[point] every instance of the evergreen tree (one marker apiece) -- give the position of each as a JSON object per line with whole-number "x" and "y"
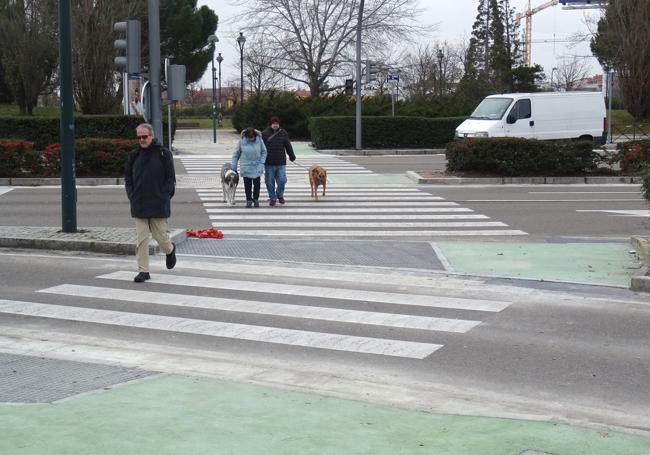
{"x": 493, "y": 61}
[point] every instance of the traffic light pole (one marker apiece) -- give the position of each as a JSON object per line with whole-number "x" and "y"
{"x": 68, "y": 188}
{"x": 154, "y": 67}
{"x": 358, "y": 106}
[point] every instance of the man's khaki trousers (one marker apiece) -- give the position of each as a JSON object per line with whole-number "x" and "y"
{"x": 144, "y": 229}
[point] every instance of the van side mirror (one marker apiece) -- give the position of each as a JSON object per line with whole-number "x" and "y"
{"x": 511, "y": 118}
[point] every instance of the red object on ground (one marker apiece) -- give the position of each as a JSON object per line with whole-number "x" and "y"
{"x": 210, "y": 233}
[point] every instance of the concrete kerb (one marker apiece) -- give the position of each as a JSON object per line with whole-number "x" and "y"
{"x": 641, "y": 281}
{"x": 417, "y": 178}
{"x": 93, "y": 240}
{"x": 380, "y": 152}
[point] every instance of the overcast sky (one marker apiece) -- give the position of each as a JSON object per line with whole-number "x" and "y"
{"x": 454, "y": 19}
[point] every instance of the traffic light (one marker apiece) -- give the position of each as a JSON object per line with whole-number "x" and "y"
{"x": 349, "y": 86}
{"x": 130, "y": 61}
{"x": 372, "y": 69}
{"x": 176, "y": 82}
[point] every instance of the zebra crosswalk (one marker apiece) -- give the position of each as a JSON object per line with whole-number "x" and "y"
{"x": 351, "y": 211}
{"x": 349, "y": 317}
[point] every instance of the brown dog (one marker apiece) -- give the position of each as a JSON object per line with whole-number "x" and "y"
{"x": 317, "y": 176}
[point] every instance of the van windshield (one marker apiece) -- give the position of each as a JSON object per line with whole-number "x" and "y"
{"x": 491, "y": 109}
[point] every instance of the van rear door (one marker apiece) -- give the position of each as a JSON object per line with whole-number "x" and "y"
{"x": 519, "y": 120}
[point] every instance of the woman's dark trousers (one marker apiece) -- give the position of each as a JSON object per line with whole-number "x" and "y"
{"x": 252, "y": 188}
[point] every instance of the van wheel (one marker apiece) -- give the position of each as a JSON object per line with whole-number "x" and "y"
{"x": 586, "y": 138}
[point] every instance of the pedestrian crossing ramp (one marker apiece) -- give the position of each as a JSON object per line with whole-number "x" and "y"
{"x": 347, "y": 320}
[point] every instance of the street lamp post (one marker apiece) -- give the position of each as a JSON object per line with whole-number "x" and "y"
{"x": 219, "y": 60}
{"x": 440, "y": 57}
{"x": 553, "y": 84}
{"x": 212, "y": 39}
{"x": 240, "y": 42}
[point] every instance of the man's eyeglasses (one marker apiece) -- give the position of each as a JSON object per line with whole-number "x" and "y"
{"x": 142, "y": 138}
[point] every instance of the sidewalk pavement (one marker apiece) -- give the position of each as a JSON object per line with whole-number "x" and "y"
{"x": 174, "y": 414}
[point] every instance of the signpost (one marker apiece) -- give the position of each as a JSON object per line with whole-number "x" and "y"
{"x": 392, "y": 79}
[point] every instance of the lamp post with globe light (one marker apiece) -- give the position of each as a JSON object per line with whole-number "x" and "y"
{"x": 241, "y": 39}
{"x": 212, "y": 39}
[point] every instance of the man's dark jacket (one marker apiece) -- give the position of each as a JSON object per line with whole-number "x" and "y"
{"x": 276, "y": 145}
{"x": 150, "y": 181}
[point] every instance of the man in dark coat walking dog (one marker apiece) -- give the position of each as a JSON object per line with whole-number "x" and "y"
{"x": 278, "y": 147}
{"x": 150, "y": 183}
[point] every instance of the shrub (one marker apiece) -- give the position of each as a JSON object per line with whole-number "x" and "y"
{"x": 94, "y": 157}
{"x": 521, "y": 157}
{"x": 631, "y": 156}
{"x": 43, "y": 131}
{"x": 382, "y": 132}
{"x": 12, "y": 156}
{"x": 645, "y": 177}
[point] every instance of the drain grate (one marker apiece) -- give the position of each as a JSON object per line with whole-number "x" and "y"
{"x": 27, "y": 379}
{"x": 417, "y": 255}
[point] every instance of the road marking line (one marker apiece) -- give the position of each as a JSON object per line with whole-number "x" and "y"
{"x": 368, "y": 224}
{"x": 404, "y": 217}
{"x": 325, "y": 203}
{"x": 641, "y": 213}
{"x": 4, "y": 189}
{"x": 554, "y": 200}
{"x": 441, "y": 257}
{"x": 583, "y": 192}
{"x": 315, "y": 207}
{"x": 428, "y": 301}
{"x": 265, "y": 308}
{"x": 291, "y": 337}
{"x": 368, "y": 233}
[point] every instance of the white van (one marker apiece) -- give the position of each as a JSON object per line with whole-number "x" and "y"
{"x": 557, "y": 115}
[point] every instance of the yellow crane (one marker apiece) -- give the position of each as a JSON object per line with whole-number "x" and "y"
{"x": 528, "y": 31}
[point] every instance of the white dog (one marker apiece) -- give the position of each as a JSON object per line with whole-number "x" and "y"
{"x": 229, "y": 182}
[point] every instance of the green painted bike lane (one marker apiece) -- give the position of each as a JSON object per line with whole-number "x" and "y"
{"x": 170, "y": 414}
{"x": 604, "y": 263}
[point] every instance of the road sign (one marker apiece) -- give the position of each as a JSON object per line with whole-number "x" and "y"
{"x": 392, "y": 77}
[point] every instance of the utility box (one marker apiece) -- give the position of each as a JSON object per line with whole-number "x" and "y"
{"x": 176, "y": 86}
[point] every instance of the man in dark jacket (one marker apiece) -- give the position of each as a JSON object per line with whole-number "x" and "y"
{"x": 150, "y": 182}
{"x": 275, "y": 169}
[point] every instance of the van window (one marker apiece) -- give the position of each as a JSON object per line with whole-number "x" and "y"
{"x": 491, "y": 109}
{"x": 521, "y": 109}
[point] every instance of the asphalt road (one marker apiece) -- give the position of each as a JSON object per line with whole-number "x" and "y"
{"x": 539, "y": 353}
{"x": 542, "y": 211}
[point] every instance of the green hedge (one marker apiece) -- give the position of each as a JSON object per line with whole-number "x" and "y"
{"x": 383, "y": 132}
{"x": 94, "y": 157}
{"x": 44, "y": 131}
{"x": 295, "y": 113}
{"x": 521, "y": 157}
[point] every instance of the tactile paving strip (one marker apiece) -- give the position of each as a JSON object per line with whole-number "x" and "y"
{"x": 27, "y": 379}
{"x": 413, "y": 255}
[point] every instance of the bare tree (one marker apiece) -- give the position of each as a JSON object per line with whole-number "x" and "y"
{"x": 622, "y": 43}
{"x": 28, "y": 33}
{"x": 433, "y": 69}
{"x": 570, "y": 72}
{"x": 309, "y": 39}
{"x": 96, "y": 77}
{"x": 259, "y": 65}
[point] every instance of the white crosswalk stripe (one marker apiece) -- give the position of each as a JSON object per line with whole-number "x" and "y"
{"x": 291, "y": 337}
{"x": 275, "y": 309}
{"x": 363, "y": 211}
{"x": 306, "y": 306}
{"x": 317, "y": 291}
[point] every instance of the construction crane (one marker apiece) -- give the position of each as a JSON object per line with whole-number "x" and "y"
{"x": 528, "y": 31}
{"x": 528, "y": 14}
